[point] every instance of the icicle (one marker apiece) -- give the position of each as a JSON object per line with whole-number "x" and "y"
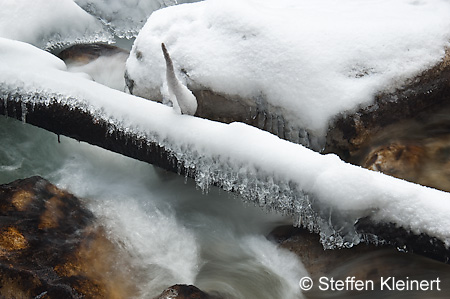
{"x": 274, "y": 125}
{"x": 253, "y": 112}
{"x": 280, "y": 122}
{"x": 5, "y": 104}
{"x": 23, "y": 107}
{"x": 268, "y": 123}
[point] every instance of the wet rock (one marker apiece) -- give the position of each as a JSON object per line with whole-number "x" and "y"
{"x": 364, "y": 263}
{"x": 51, "y": 247}
{"x": 396, "y": 159}
{"x": 426, "y": 162}
{"x": 317, "y": 261}
{"x": 405, "y": 133}
{"x": 85, "y": 53}
{"x": 181, "y": 291}
{"x": 421, "y": 96}
{"x": 232, "y": 108}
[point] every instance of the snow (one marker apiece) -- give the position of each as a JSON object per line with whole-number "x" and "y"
{"x": 49, "y": 23}
{"x": 183, "y": 101}
{"x": 322, "y": 192}
{"x": 125, "y": 17}
{"x": 107, "y": 70}
{"x": 309, "y": 60}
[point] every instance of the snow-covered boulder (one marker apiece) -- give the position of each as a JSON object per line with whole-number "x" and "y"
{"x": 48, "y": 24}
{"x": 297, "y": 64}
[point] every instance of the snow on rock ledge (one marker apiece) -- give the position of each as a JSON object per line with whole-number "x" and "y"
{"x": 322, "y": 192}
{"x": 49, "y": 23}
{"x": 300, "y": 62}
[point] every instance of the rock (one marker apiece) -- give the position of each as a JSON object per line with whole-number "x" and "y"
{"x": 85, "y": 53}
{"x": 51, "y": 246}
{"x": 227, "y": 109}
{"x": 420, "y": 97}
{"x": 363, "y": 262}
{"x": 396, "y": 159}
{"x": 426, "y": 162}
{"x": 317, "y": 261}
{"x": 181, "y": 291}
{"x": 405, "y": 133}
{"x": 254, "y": 112}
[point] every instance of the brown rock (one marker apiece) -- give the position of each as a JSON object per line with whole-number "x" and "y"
{"x": 84, "y": 53}
{"x": 363, "y": 262}
{"x": 317, "y": 261}
{"x": 417, "y": 151}
{"x": 397, "y": 159}
{"x": 50, "y": 246}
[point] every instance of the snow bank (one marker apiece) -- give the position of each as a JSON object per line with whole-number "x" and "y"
{"x": 321, "y": 191}
{"x": 125, "y": 17}
{"x": 309, "y": 59}
{"x": 49, "y": 23}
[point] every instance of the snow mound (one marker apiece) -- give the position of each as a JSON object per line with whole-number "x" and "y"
{"x": 49, "y": 24}
{"x": 321, "y": 192}
{"x": 311, "y": 60}
{"x": 125, "y": 17}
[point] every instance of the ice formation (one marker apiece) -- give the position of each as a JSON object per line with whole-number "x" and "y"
{"x": 322, "y": 192}
{"x": 183, "y": 101}
{"x": 49, "y": 23}
{"x": 125, "y": 17}
{"x": 306, "y": 61}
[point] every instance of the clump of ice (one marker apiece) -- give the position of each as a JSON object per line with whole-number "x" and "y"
{"x": 310, "y": 59}
{"x": 125, "y": 17}
{"x": 323, "y": 193}
{"x": 49, "y": 23}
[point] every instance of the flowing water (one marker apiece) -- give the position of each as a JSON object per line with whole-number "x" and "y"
{"x": 174, "y": 233}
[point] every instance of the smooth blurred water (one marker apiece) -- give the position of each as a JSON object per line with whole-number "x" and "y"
{"x": 173, "y": 232}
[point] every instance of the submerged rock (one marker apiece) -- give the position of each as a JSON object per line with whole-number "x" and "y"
{"x": 426, "y": 162}
{"x": 51, "y": 247}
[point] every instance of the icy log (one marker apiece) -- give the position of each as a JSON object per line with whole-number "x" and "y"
{"x": 321, "y": 192}
{"x": 76, "y": 123}
{"x": 81, "y": 125}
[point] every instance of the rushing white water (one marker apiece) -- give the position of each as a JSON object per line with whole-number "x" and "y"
{"x": 174, "y": 232}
